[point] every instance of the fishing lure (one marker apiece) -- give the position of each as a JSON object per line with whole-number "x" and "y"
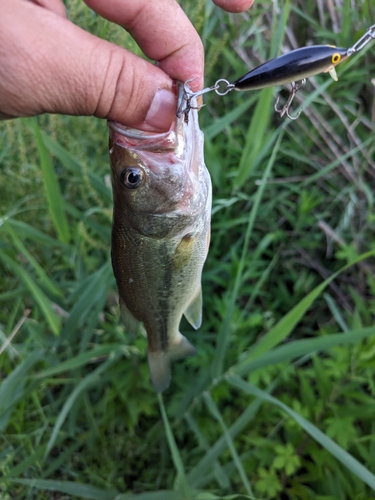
{"x": 293, "y": 67}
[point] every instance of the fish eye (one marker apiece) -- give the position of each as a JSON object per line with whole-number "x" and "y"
{"x": 336, "y": 58}
{"x": 132, "y": 177}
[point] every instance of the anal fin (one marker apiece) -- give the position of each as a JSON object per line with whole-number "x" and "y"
{"x": 193, "y": 312}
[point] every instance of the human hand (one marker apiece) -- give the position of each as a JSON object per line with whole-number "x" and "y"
{"x": 50, "y": 65}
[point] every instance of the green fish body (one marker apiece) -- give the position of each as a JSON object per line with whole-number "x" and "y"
{"x": 160, "y": 235}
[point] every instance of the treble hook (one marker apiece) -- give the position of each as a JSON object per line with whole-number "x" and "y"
{"x": 296, "y": 86}
{"x": 185, "y": 106}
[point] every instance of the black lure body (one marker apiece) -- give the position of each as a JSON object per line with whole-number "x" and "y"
{"x": 293, "y": 66}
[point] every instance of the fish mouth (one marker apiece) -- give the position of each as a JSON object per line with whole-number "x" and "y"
{"x": 151, "y": 141}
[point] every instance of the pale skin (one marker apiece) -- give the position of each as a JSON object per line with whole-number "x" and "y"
{"x": 50, "y": 65}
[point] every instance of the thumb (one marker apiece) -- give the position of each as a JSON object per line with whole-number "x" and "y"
{"x": 47, "y": 64}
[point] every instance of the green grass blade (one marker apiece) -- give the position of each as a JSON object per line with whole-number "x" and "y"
{"x": 181, "y": 480}
{"x": 59, "y": 460}
{"x": 298, "y": 348}
{"x": 24, "y": 230}
{"x": 323, "y": 172}
{"x": 82, "y": 386}
{"x": 225, "y": 121}
{"x": 52, "y": 189}
{"x": 211, "y": 496}
{"x": 257, "y": 134}
{"x": 152, "y": 495}
{"x": 285, "y": 326}
{"x": 219, "y": 472}
{"x": 278, "y": 33}
{"x": 87, "y": 294}
{"x": 45, "y": 280}
{"x": 255, "y": 137}
{"x": 339, "y": 453}
{"x": 75, "y": 167}
{"x": 11, "y": 387}
{"x": 197, "y": 477}
{"x": 70, "y": 488}
{"x": 336, "y": 313}
{"x": 38, "y": 295}
{"x": 30, "y": 460}
{"x": 79, "y": 360}
{"x": 216, "y": 414}
{"x": 223, "y": 336}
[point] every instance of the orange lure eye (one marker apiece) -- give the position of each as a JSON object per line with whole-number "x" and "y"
{"x": 336, "y": 58}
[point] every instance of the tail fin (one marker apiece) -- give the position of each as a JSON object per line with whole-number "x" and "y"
{"x": 160, "y": 362}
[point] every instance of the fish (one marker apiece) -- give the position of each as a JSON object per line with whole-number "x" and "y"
{"x": 160, "y": 234}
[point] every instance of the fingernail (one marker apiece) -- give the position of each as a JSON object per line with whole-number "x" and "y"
{"x": 162, "y": 110}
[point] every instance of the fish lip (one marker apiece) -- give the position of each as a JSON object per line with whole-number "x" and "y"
{"x": 127, "y": 137}
{"x": 153, "y": 140}
{"x": 133, "y": 133}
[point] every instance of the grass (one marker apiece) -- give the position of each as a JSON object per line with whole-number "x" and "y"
{"x": 279, "y": 401}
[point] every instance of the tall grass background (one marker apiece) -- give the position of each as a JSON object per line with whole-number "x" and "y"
{"x": 279, "y": 401}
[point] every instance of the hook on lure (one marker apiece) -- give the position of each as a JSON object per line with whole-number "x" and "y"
{"x": 185, "y": 106}
{"x": 293, "y": 67}
{"x": 296, "y": 86}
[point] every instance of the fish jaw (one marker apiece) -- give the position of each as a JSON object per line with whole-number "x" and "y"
{"x": 160, "y": 237}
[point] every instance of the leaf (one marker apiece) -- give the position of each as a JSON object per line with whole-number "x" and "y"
{"x": 176, "y": 457}
{"x": 45, "y": 280}
{"x": 38, "y": 295}
{"x": 339, "y": 453}
{"x": 90, "y": 291}
{"x": 79, "y": 360}
{"x": 342, "y": 429}
{"x": 83, "y": 385}
{"x": 198, "y": 476}
{"x": 70, "y": 488}
{"x": 55, "y": 200}
{"x": 299, "y": 348}
{"x": 285, "y": 326}
{"x": 224, "y": 332}
{"x": 75, "y": 167}
{"x": 24, "y": 230}
{"x": 225, "y": 121}
{"x": 154, "y": 495}
{"x": 268, "y": 483}
{"x": 256, "y": 137}
{"x": 30, "y": 460}
{"x": 205, "y": 495}
{"x": 11, "y": 388}
{"x": 220, "y": 474}
{"x": 216, "y": 414}
{"x": 286, "y": 459}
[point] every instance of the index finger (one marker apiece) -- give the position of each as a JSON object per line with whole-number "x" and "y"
{"x": 163, "y": 32}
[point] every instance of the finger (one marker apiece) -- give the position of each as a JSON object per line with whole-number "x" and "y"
{"x": 47, "y": 64}
{"x": 55, "y": 6}
{"x": 234, "y": 5}
{"x": 163, "y": 32}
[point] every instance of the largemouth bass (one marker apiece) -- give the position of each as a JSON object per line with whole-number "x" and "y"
{"x": 160, "y": 234}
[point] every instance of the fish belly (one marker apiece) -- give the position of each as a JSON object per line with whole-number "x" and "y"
{"x": 158, "y": 279}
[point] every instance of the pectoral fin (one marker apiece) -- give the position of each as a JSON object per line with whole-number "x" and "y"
{"x": 193, "y": 312}
{"x": 160, "y": 362}
{"x": 333, "y": 74}
{"x": 131, "y": 324}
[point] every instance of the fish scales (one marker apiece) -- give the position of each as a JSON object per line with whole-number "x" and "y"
{"x": 160, "y": 235}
